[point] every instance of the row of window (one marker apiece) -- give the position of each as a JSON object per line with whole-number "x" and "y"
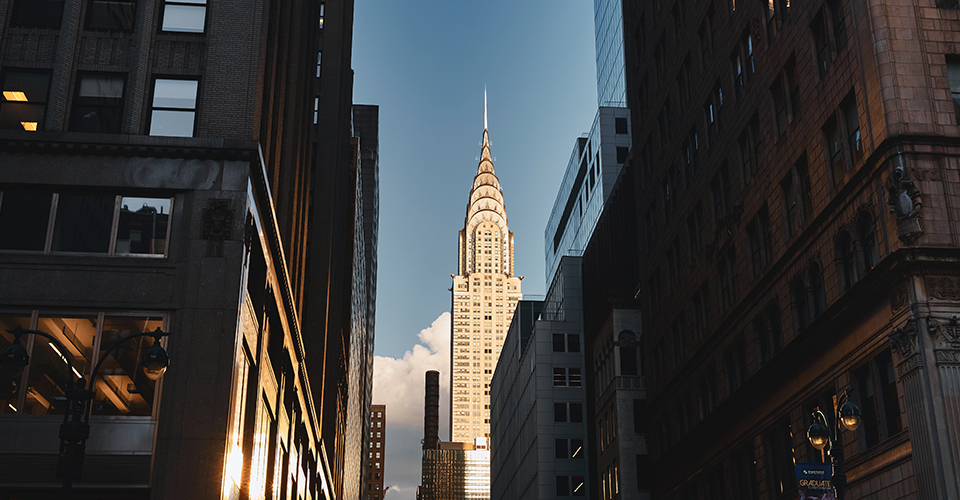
{"x": 83, "y": 222}
{"x": 98, "y": 103}
{"x": 122, "y": 388}
{"x": 177, "y": 16}
{"x": 567, "y": 377}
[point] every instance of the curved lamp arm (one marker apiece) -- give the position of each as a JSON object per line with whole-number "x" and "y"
{"x": 156, "y": 334}
{"x": 19, "y": 332}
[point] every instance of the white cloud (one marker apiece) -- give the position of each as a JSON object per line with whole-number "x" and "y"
{"x": 398, "y": 382}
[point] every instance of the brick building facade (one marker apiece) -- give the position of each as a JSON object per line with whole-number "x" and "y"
{"x": 792, "y": 190}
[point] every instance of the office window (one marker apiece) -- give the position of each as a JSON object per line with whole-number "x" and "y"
{"x": 560, "y": 448}
{"x": 726, "y": 273}
{"x": 123, "y": 389}
{"x": 559, "y": 377}
{"x": 558, "y": 343}
{"x": 573, "y": 342}
{"x": 560, "y": 412}
{"x": 321, "y": 14}
{"x": 563, "y": 486}
{"x": 877, "y": 388}
{"x": 694, "y": 226}
{"x": 797, "y": 201}
{"x": 768, "y": 331}
{"x": 793, "y": 86}
{"x": 839, "y": 26}
{"x": 639, "y": 416}
{"x": 815, "y": 278}
{"x": 745, "y": 475}
{"x": 24, "y": 101}
{"x": 779, "y": 106}
{"x": 174, "y": 107}
{"x": 111, "y": 15}
{"x": 184, "y": 16}
{"x": 83, "y": 222}
{"x": 24, "y": 216}
{"x": 821, "y": 43}
{"x": 953, "y": 72}
{"x": 622, "y": 153}
{"x": 735, "y": 361}
{"x": 835, "y": 155}
{"x": 576, "y": 412}
{"x": 38, "y": 13}
{"x": 847, "y": 259}
{"x": 574, "y": 377}
{"x": 780, "y": 459}
{"x": 98, "y": 107}
{"x": 628, "y": 354}
{"x": 758, "y": 235}
{"x": 620, "y": 125}
{"x": 720, "y": 188}
{"x": 851, "y": 121}
{"x": 867, "y": 232}
{"x": 801, "y": 305}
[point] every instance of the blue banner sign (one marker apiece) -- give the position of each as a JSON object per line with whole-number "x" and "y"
{"x": 814, "y": 481}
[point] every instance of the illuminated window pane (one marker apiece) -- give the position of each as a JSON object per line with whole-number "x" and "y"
{"x": 24, "y": 100}
{"x": 122, "y": 387}
{"x": 49, "y": 369}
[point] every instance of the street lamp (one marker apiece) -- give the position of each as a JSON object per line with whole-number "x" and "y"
{"x": 821, "y": 437}
{"x": 75, "y": 431}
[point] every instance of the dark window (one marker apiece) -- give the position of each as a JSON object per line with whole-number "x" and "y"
{"x": 184, "y": 16}
{"x": 111, "y": 15}
{"x": 643, "y": 472}
{"x": 852, "y": 125}
{"x": 621, "y": 125}
{"x": 793, "y": 87}
{"x": 880, "y": 406}
{"x": 24, "y": 216}
{"x": 574, "y": 378}
{"x": 98, "y": 107}
{"x": 557, "y": 342}
{"x": 701, "y": 309}
{"x": 780, "y": 458}
{"x": 628, "y": 359}
{"x": 694, "y": 224}
{"x": 726, "y": 270}
{"x": 758, "y": 234}
{"x": 868, "y": 240}
{"x": 573, "y": 342}
{"x": 576, "y": 412}
{"x": 779, "y": 106}
{"x": 801, "y": 306}
{"x": 622, "y": 154}
{"x": 38, "y": 13}
{"x": 735, "y": 359}
{"x": 847, "y": 257}
{"x": 708, "y": 391}
{"x": 768, "y": 331}
{"x": 24, "y": 100}
{"x": 821, "y": 43}
{"x": 835, "y": 154}
{"x": 839, "y": 26}
{"x": 953, "y": 73}
{"x": 563, "y": 486}
{"x": 815, "y": 275}
{"x": 560, "y": 448}
{"x": 174, "y": 107}
{"x": 83, "y": 223}
{"x": 720, "y": 187}
{"x": 745, "y": 475}
{"x": 639, "y": 415}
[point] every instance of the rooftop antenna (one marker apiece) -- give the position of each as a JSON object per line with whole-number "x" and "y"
{"x": 484, "y": 106}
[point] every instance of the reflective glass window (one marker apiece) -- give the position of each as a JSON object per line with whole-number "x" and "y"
{"x": 24, "y": 101}
{"x": 142, "y": 225}
{"x": 50, "y": 367}
{"x": 39, "y": 13}
{"x": 98, "y": 107}
{"x": 24, "y": 216}
{"x": 111, "y": 15}
{"x": 83, "y": 223}
{"x": 122, "y": 387}
{"x": 174, "y": 107}
{"x": 185, "y": 16}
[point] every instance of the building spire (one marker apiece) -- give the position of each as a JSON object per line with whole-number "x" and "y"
{"x": 484, "y": 106}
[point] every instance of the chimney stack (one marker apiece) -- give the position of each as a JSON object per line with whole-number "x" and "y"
{"x": 431, "y": 411}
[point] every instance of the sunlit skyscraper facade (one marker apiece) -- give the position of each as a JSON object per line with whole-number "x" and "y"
{"x": 608, "y": 23}
{"x": 484, "y": 294}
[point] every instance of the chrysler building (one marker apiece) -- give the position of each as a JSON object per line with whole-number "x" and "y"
{"x": 485, "y": 294}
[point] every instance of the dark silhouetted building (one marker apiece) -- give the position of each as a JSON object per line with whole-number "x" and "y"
{"x": 188, "y": 166}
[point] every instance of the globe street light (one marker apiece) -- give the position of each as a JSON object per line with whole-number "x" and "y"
{"x": 75, "y": 431}
{"x": 820, "y": 436}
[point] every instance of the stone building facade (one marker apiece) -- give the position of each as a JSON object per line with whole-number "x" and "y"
{"x": 792, "y": 190}
{"x": 161, "y": 164}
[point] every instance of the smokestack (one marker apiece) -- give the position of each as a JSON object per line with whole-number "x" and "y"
{"x": 431, "y": 411}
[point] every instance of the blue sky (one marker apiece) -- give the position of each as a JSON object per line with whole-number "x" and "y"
{"x": 425, "y": 64}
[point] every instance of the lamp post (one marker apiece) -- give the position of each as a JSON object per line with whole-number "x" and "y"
{"x": 75, "y": 428}
{"x": 821, "y": 436}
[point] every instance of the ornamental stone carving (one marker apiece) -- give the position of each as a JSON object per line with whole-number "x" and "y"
{"x": 899, "y": 297}
{"x": 904, "y": 340}
{"x": 942, "y": 287}
{"x": 217, "y": 223}
{"x": 945, "y": 332}
{"x": 904, "y": 200}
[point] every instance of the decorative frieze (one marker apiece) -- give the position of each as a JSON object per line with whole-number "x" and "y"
{"x": 942, "y": 287}
{"x": 899, "y": 297}
{"x": 903, "y": 341}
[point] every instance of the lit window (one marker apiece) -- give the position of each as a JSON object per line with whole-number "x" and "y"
{"x": 98, "y": 107}
{"x": 24, "y": 101}
{"x": 174, "y": 107}
{"x": 184, "y": 16}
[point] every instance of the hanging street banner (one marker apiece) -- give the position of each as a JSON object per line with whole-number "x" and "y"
{"x": 814, "y": 481}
